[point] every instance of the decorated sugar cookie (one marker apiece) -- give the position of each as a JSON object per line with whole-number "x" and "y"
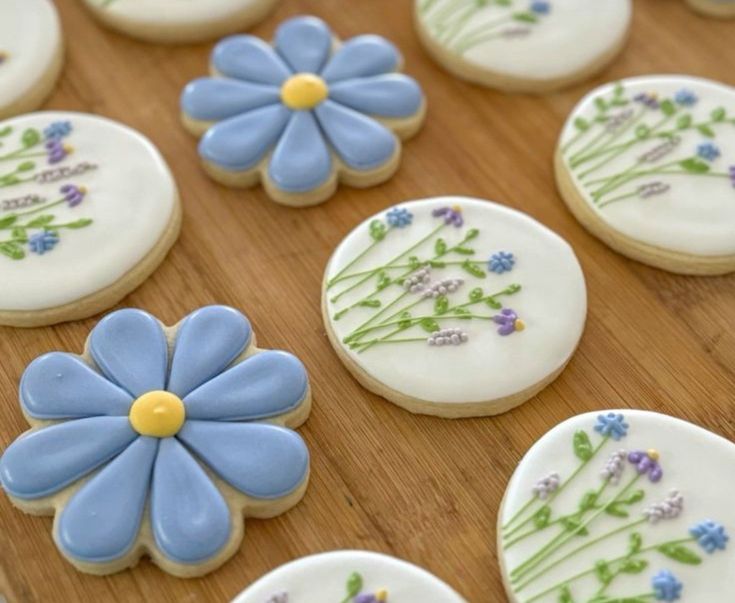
{"x": 157, "y": 440}
{"x": 179, "y": 21}
{"x": 349, "y": 577}
{"x": 31, "y": 54}
{"x": 523, "y": 45}
{"x": 714, "y": 8}
{"x": 88, "y": 209}
{"x": 648, "y": 166}
{"x": 304, "y": 114}
{"x": 454, "y": 307}
{"x": 620, "y": 507}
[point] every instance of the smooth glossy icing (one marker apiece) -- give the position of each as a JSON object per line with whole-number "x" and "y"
{"x": 361, "y": 575}
{"x": 645, "y": 488}
{"x": 527, "y": 39}
{"x": 252, "y": 98}
{"x": 190, "y": 520}
{"x": 655, "y": 121}
{"x": 485, "y": 355}
{"x": 30, "y": 41}
{"x": 75, "y": 189}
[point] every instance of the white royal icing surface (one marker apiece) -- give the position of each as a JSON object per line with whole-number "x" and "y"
{"x": 572, "y": 36}
{"x": 552, "y": 303}
{"x": 322, "y": 578}
{"x": 30, "y": 39}
{"x": 170, "y": 13}
{"x": 131, "y": 196}
{"x": 697, "y": 215}
{"x": 695, "y": 462}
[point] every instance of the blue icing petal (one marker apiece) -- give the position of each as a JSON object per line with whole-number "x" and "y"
{"x": 101, "y": 521}
{"x": 130, "y": 348}
{"x": 213, "y": 99}
{"x": 362, "y": 56}
{"x": 46, "y": 460}
{"x": 392, "y": 95}
{"x": 263, "y": 461}
{"x": 249, "y": 58}
{"x": 301, "y": 161}
{"x": 207, "y": 341}
{"x": 63, "y": 386}
{"x": 268, "y": 384}
{"x": 239, "y": 143}
{"x": 190, "y": 518}
{"x": 304, "y": 43}
{"x": 360, "y": 141}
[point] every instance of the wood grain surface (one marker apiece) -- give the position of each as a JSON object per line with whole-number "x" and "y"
{"x": 421, "y": 488}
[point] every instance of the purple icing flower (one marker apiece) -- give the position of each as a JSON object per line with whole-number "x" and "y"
{"x": 398, "y": 217}
{"x": 56, "y": 150}
{"x": 650, "y": 100}
{"x": 646, "y": 463}
{"x": 57, "y": 130}
{"x": 710, "y": 536}
{"x": 666, "y": 587}
{"x": 278, "y": 598}
{"x": 508, "y": 321}
{"x": 73, "y": 194}
{"x": 708, "y": 151}
{"x": 731, "y": 172}
{"x": 685, "y": 98}
{"x": 500, "y": 262}
{"x": 452, "y": 215}
{"x": 380, "y": 597}
{"x": 540, "y": 7}
{"x": 612, "y": 425}
{"x": 43, "y": 241}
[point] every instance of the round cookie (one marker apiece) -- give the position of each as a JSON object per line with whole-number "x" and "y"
{"x": 648, "y": 166}
{"x": 158, "y": 440}
{"x": 303, "y": 114}
{"x": 88, "y": 210}
{"x": 179, "y": 21}
{"x": 620, "y": 506}
{"x": 31, "y": 54}
{"x": 349, "y": 577}
{"x": 454, "y": 307}
{"x": 723, "y": 9}
{"x": 523, "y": 45}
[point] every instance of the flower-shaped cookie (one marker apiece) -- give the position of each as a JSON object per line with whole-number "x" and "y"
{"x": 158, "y": 439}
{"x": 304, "y": 113}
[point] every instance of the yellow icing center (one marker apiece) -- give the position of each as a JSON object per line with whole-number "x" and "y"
{"x": 303, "y": 91}
{"x": 158, "y": 414}
{"x": 653, "y": 454}
{"x": 519, "y": 325}
{"x": 381, "y": 595}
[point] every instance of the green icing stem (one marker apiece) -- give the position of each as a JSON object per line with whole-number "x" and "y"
{"x": 423, "y": 264}
{"x": 554, "y": 494}
{"x": 336, "y": 278}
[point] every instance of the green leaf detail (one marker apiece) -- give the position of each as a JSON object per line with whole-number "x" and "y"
{"x": 541, "y": 517}
{"x": 354, "y": 584}
{"x": 636, "y": 543}
{"x": 40, "y": 221}
{"x": 12, "y": 250}
{"x": 476, "y": 294}
{"x": 429, "y": 325}
{"x": 493, "y": 303}
{"x": 414, "y": 263}
{"x": 377, "y": 230}
{"x": 440, "y": 247}
{"x": 383, "y": 279}
{"x": 30, "y": 137}
{"x": 635, "y": 497}
{"x": 718, "y": 114}
{"x": 680, "y": 553}
{"x": 26, "y": 166}
{"x": 8, "y": 221}
{"x": 472, "y": 233}
{"x": 405, "y": 320}
{"x": 705, "y": 130}
{"x": 694, "y": 166}
{"x": 684, "y": 122}
{"x": 525, "y": 17}
{"x": 370, "y": 303}
{"x": 642, "y": 132}
{"x": 588, "y": 500}
{"x": 633, "y": 566}
{"x": 618, "y": 89}
{"x": 6, "y": 131}
{"x": 462, "y": 313}
{"x": 582, "y": 445}
{"x": 441, "y": 305}
{"x": 463, "y": 250}
{"x": 601, "y": 104}
{"x": 603, "y": 573}
{"x": 473, "y": 269}
{"x": 565, "y": 596}
{"x": 511, "y": 289}
{"x": 437, "y": 264}
{"x": 581, "y": 124}
{"x": 616, "y": 510}
{"x": 667, "y": 107}
{"x": 574, "y": 525}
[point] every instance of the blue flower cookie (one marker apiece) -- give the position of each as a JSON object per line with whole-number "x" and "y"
{"x": 157, "y": 440}
{"x": 304, "y": 113}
